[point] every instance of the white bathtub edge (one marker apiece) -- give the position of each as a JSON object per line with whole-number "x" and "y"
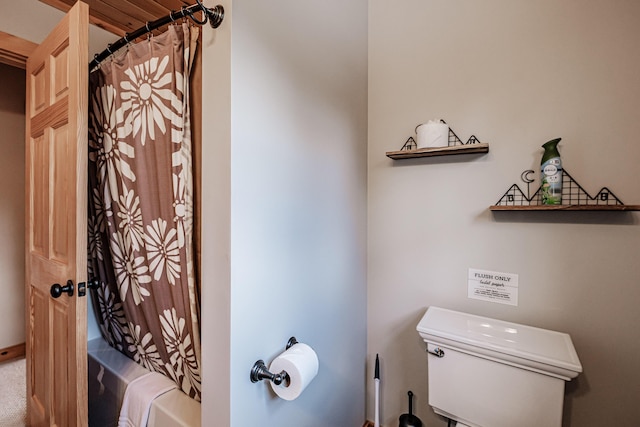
{"x": 172, "y": 409}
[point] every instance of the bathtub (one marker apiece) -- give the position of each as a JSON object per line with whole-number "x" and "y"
{"x": 109, "y": 373}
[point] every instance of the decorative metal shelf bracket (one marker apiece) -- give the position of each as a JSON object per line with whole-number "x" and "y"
{"x": 453, "y": 140}
{"x": 572, "y": 194}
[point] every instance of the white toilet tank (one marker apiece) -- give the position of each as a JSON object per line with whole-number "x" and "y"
{"x": 491, "y": 373}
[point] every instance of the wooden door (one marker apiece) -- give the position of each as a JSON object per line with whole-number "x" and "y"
{"x": 56, "y": 186}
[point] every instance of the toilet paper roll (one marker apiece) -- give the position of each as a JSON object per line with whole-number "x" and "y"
{"x": 432, "y": 134}
{"x": 301, "y": 363}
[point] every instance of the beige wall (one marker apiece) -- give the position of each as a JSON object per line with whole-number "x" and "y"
{"x": 515, "y": 74}
{"x": 12, "y": 205}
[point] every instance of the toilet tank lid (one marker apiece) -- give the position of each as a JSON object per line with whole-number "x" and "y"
{"x": 527, "y": 342}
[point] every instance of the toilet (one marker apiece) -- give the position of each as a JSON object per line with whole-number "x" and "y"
{"x": 485, "y": 372}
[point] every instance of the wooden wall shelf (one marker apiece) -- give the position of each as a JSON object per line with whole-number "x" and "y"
{"x": 567, "y": 208}
{"x": 481, "y": 147}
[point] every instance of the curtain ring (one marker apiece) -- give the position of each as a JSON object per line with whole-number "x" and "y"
{"x": 146, "y": 26}
{"x": 205, "y": 12}
{"x": 190, "y": 15}
{"x": 203, "y": 7}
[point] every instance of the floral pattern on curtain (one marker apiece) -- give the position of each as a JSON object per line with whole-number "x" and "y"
{"x": 140, "y": 220}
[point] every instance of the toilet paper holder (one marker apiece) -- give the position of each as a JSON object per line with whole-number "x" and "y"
{"x": 260, "y": 372}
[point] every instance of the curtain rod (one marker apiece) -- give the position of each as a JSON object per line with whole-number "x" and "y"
{"x": 213, "y": 16}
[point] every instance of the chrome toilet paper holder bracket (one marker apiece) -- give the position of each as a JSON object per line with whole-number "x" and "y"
{"x": 260, "y": 372}
{"x": 438, "y": 352}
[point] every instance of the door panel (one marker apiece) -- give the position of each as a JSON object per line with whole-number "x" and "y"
{"x": 61, "y": 235}
{"x": 56, "y": 182}
{"x": 40, "y": 201}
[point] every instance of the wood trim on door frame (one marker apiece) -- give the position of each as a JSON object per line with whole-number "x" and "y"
{"x": 14, "y": 50}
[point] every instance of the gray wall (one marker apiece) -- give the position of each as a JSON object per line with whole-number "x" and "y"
{"x": 12, "y": 205}
{"x": 297, "y": 203}
{"x": 516, "y": 74}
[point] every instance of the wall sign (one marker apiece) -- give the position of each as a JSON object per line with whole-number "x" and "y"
{"x": 493, "y": 286}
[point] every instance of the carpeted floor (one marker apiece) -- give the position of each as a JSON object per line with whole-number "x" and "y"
{"x": 13, "y": 404}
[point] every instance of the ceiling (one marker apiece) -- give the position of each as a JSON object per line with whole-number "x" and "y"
{"x": 123, "y": 16}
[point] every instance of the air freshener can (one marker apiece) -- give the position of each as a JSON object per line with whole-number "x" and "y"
{"x": 551, "y": 174}
{"x": 552, "y": 181}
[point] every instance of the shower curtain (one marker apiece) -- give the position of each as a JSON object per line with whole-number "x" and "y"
{"x": 140, "y": 219}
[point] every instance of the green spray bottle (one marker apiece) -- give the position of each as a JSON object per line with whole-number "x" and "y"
{"x": 551, "y": 174}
